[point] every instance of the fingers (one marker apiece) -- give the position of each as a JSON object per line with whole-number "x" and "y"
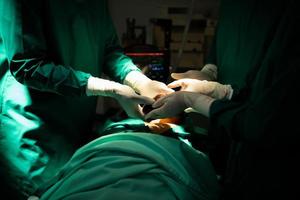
{"x": 175, "y": 84}
{"x": 159, "y": 102}
{"x": 138, "y": 99}
{"x": 158, "y": 109}
{"x": 188, "y": 74}
{"x": 156, "y": 114}
{"x": 184, "y": 84}
{"x": 161, "y": 87}
{"x": 133, "y": 110}
{"x": 189, "y": 110}
{"x": 153, "y": 88}
{"x": 177, "y": 76}
{"x": 169, "y": 90}
{"x": 162, "y": 108}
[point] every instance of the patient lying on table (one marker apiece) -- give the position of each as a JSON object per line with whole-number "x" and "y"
{"x": 130, "y": 162}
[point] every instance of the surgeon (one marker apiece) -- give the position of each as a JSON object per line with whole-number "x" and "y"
{"x": 56, "y": 52}
{"x": 255, "y": 59}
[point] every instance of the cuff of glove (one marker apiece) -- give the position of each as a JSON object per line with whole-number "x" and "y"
{"x": 229, "y": 92}
{"x": 135, "y": 79}
{"x": 211, "y": 70}
{"x": 198, "y": 103}
{"x": 101, "y": 87}
{"x": 222, "y": 92}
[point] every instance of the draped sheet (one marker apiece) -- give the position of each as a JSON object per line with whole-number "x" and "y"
{"x": 135, "y": 166}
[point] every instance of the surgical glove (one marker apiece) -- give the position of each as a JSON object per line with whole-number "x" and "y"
{"x": 208, "y": 72}
{"x": 175, "y": 103}
{"x": 145, "y": 86}
{"x": 132, "y": 109}
{"x": 125, "y": 95}
{"x": 210, "y": 88}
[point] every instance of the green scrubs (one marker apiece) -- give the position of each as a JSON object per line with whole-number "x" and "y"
{"x": 53, "y": 47}
{"x": 256, "y": 50}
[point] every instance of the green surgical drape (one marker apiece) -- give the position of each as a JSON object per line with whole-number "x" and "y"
{"x": 135, "y": 165}
{"x": 52, "y": 47}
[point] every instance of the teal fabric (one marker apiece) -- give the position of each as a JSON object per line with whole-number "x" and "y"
{"x": 2, "y": 53}
{"x": 52, "y": 48}
{"x": 135, "y": 166}
{"x": 271, "y": 57}
{"x": 257, "y": 50}
{"x": 244, "y": 34}
{"x": 130, "y": 125}
{"x": 55, "y": 46}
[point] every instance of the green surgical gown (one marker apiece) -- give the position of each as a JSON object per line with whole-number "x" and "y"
{"x": 52, "y": 48}
{"x": 256, "y": 50}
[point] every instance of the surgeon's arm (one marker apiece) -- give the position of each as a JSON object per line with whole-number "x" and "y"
{"x": 116, "y": 64}
{"x": 265, "y": 113}
{"x": 264, "y": 119}
{"x": 121, "y": 68}
{"x": 26, "y": 48}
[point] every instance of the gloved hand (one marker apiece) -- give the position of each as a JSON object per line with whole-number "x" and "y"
{"x": 208, "y": 72}
{"x": 145, "y": 86}
{"x": 210, "y": 88}
{"x": 125, "y": 95}
{"x": 175, "y": 103}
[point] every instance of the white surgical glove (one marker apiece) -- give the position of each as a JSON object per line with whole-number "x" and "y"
{"x": 210, "y": 88}
{"x": 145, "y": 86}
{"x": 209, "y": 72}
{"x": 125, "y": 95}
{"x": 177, "y": 102}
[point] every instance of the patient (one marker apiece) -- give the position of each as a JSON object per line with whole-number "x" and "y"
{"x": 130, "y": 162}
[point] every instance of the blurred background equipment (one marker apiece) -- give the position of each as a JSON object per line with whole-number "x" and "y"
{"x": 134, "y": 34}
{"x": 164, "y": 36}
{"x": 151, "y": 60}
{"x": 183, "y": 27}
